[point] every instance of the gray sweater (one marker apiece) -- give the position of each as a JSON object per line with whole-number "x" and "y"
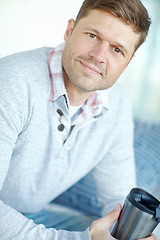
{"x": 36, "y": 165}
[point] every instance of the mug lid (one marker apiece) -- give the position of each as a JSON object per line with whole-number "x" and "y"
{"x": 145, "y": 202}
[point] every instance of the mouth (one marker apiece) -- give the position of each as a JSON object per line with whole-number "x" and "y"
{"x": 90, "y": 68}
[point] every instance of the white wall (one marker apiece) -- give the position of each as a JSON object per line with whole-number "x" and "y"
{"x": 28, "y": 24}
{"x": 142, "y": 78}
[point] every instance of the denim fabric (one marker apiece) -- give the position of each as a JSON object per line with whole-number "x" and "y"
{"x": 147, "y": 152}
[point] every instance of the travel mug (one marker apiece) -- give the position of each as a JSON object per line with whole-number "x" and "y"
{"x": 139, "y": 216}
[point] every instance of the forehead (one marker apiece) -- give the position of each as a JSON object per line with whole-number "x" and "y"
{"x": 109, "y": 27}
{"x": 102, "y": 17}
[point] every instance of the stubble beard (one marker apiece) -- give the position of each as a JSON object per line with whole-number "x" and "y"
{"x": 83, "y": 81}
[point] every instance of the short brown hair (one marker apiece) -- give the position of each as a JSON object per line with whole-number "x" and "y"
{"x": 132, "y": 12}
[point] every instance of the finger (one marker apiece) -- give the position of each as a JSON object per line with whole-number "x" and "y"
{"x": 152, "y": 237}
{"x": 112, "y": 216}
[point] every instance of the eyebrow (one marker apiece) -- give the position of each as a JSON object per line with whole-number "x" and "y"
{"x": 117, "y": 44}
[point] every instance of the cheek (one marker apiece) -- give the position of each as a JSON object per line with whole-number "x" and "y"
{"x": 118, "y": 67}
{"x": 67, "y": 53}
{"x": 78, "y": 46}
{"x": 114, "y": 71}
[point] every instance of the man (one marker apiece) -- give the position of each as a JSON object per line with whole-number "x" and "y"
{"x": 62, "y": 115}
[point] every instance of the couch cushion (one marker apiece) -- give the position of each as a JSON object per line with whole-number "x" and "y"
{"x": 147, "y": 155}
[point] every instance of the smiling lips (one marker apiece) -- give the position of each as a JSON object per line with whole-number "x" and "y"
{"x": 90, "y": 68}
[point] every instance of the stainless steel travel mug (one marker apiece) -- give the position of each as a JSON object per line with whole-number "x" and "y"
{"x": 139, "y": 216}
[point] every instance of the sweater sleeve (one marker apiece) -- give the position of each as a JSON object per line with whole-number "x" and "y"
{"x": 117, "y": 168}
{"x": 15, "y": 113}
{"x": 17, "y": 227}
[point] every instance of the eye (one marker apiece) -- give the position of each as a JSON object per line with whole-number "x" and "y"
{"x": 91, "y": 35}
{"x": 117, "y": 50}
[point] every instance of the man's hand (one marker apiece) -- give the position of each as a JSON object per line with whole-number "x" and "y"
{"x": 152, "y": 237}
{"x": 99, "y": 229}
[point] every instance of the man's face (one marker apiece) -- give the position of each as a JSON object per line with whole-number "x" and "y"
{"x": 97, "y": 51}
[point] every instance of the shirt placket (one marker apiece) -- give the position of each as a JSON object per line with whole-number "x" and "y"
{"x": 63, "y": 123}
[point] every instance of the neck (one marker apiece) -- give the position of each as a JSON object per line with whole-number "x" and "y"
{"x": 75, "y": 95}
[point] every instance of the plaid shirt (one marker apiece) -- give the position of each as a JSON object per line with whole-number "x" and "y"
{"x": 92, "y": 107}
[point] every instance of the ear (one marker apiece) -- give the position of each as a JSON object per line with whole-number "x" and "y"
{"x": 71, "y": 24}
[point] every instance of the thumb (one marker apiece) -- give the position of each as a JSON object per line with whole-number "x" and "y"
{"x": 112, "y": 216}
{"x": 101, "y": 226}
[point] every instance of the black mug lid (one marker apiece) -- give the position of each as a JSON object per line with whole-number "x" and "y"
{"x": 145, "y": 202}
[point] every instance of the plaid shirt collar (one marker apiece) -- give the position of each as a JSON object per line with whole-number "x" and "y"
{"x": 92, "y": 107}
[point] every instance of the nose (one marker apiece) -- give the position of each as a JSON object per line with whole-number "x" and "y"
{"x": 99, "y": 52}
